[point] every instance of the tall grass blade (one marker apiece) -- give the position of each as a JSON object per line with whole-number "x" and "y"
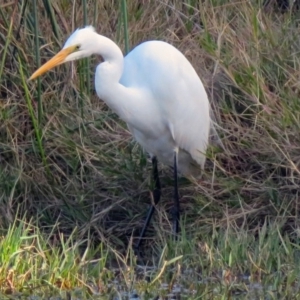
{"x": 86, "y": 61}
{"x": 96, "y": 13}
{"x": 52, "y": 18}
{"x": 36, "y": 126}
{"x": 17, "y": 36}
{"x": 125, "y": 25}
{"x": 38, "y": 61}
{"x": 7, "y": 41}
{"x": 3, "y": 17}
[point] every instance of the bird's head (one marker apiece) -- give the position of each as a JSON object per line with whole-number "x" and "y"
{"x": 77, "y": 46}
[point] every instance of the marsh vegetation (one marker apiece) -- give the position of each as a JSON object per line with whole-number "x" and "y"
{"x": 74, "y": 186}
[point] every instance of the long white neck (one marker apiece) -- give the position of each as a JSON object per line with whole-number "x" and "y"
{"x": 113, "y": 58}
{"x": 121, "y": 99}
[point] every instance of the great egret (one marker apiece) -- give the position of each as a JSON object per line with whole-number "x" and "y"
{"x": 157, "y": 92}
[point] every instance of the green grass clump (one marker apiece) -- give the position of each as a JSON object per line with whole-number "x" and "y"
{"x": 66, "y": 161}
{"x": 231, "y": 263}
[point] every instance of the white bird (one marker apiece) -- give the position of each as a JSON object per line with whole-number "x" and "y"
{"x": 157, "y": 92}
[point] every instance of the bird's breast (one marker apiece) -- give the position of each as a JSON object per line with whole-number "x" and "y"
{"x": 162, "y": 145}
{"x": 158, "y": 142}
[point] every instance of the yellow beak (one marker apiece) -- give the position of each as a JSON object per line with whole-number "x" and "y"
{"x": 56, "y": 60}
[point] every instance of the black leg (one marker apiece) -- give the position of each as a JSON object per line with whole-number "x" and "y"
{"x": 176, "y": 209}
{"x": 156, "y": 198}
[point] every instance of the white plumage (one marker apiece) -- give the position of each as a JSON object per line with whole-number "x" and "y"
{"x": 155, "y": 90}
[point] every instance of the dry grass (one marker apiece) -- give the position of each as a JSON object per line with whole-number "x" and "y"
{"x": 100, "y": 178}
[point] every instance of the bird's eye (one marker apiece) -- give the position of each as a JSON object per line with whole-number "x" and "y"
{"x": 77, "y": 47}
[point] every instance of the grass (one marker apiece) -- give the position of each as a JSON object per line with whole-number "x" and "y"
{"x": 226, "y": 264}
{"x": 74, "y": 186}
